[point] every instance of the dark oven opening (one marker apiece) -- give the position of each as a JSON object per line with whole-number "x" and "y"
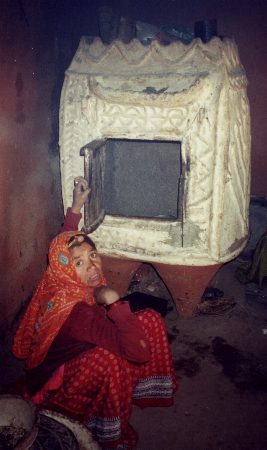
{"x": 143, "y": 178}
{"x": 134, "y": 179}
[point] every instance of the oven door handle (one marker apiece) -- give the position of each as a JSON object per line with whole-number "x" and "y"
{"x": 94, "y": 163}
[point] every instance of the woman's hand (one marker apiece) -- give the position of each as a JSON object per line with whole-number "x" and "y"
{"x": 80, "y": 194}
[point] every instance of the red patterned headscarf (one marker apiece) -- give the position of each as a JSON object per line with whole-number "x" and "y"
{"x": 59, "y": 290}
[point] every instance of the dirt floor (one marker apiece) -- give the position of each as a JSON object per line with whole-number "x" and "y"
{"x": 221, "y": 363}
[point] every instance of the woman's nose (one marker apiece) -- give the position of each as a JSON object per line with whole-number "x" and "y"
{"x": 90, "y": 264}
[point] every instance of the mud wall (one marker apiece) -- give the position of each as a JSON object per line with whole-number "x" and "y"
{"x": 30, "y": 201}
{"x": 38, "y": 39}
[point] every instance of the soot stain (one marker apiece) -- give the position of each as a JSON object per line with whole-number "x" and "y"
{"x": 244, "y": 371}
{"x": 201, "y": 349}
{"x": 171, "y": 337}
{"x": 188, "y": 366}
{"x": 20, "y": 116}
{"x": 19, "y": 84}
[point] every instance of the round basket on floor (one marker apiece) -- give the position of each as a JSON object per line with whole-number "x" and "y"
{"x": 19, "y": 422}
{"x": 56, "y": 432}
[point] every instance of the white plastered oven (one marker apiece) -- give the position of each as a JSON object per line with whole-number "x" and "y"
{"x": 193, "y": 94}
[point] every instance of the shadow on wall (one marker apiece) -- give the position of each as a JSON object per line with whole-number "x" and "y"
{"x": 258, "y": 224}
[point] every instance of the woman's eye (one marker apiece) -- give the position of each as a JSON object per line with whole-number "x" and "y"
{"x": 78, "y": 264}
{"x": 93, "y": 255}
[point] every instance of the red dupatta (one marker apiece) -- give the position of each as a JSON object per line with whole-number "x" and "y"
{"x": 56, "y": 295}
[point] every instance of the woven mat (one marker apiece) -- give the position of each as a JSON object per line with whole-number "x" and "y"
{"x": 53, "y": 435}
{"x": 216, "y": 306}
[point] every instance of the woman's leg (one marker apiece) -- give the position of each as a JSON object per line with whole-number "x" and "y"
{"x": 99, "y": 387}
{"x": 155, "y": 381}
{"x": 97, "y": 390}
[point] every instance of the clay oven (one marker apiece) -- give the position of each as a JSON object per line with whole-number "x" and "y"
{"x": 190, "y": 102}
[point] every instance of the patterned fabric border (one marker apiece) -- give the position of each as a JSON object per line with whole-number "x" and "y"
{"x": 157, "y": 387}
{"x": 108, "y": 428}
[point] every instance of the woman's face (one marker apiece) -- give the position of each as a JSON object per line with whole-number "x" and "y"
{"x": 87, "y": 264}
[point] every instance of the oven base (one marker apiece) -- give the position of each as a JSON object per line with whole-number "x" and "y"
{"x": 186, "y": 284}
